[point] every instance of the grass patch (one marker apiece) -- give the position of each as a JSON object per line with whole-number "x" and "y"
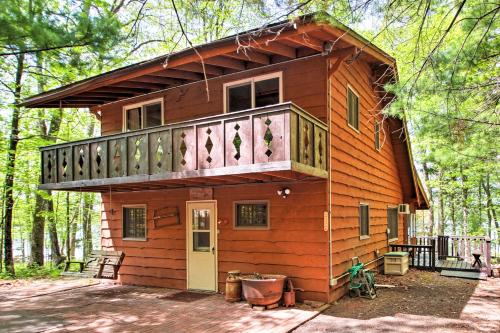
{"x": 24, "y": 271}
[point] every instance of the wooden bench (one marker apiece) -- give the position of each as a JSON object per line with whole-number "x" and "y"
{"x": 100, "y": 265}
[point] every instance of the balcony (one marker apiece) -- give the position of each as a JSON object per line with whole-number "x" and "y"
{"x": 275, "y": 143}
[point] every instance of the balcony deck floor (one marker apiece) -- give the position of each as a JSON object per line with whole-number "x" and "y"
{"x": 146, "y": 182}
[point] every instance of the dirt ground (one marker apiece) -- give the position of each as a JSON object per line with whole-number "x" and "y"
{"x": 418, "y": 292}
{"x": 421, "y": 301}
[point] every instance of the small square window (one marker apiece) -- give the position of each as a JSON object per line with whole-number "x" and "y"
{"x": 364, "y": 220}
{"x": 352, "y": 109}
{"x": 134, "y": 222}
{"x": 251, "y": 215}
{"x": 377, "y": 135}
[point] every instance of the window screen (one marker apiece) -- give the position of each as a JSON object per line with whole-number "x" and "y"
{"x": 239, "y": 97}
{"x": 364, "y": 220}
{"x": 153, "y": 114}
{"x": 267, "y": 92}
{"x": 352, "y": 109}
{"x": 134, "y": 119}
{"x": 377, "y": 135}
{"x": 392, "y": 222}
{"x": 134, "y": 222}
{"x": 251, "y": 215}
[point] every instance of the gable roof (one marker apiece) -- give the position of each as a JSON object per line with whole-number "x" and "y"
{"x": 307, "y": 35}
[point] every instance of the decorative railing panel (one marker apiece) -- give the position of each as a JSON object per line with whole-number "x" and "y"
{"x": 278, "y": 133}
{"x": 160, "y": 151}
{"x": 117, "y": 149}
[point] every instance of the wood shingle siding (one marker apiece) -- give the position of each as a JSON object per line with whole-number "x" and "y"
{"x": 360, "y": 173}
{"x": 295, "y": 244}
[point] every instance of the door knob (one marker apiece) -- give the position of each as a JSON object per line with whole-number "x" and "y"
{"x": 213, "y": 249}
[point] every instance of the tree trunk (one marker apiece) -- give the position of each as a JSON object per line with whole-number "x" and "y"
{"x": 490, "y": 209}
{"x": 431, "y": 199}
{"x": 442, "y": 215}
{"x": 452, "y": 215}
{"x": 68, "y": 229}
{"x": 48, "y": 131}
{"x": 57, "y": 258}
{"x": 38, "y": 231}
{"x": 73, "y": 242}
{"x": 71, "y": 228}
{"x": 2, "y": 233}
{"x": 465, "y": 210}
{"x": 88, "y": 203}
{"x": 10, "y": 168}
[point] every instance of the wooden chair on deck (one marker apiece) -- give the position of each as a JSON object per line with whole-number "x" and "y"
{"x": 100, "y": 265}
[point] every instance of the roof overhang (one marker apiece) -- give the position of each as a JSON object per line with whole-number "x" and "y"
{"x": 413, "y": 189}
{"x": 315, "y": 34}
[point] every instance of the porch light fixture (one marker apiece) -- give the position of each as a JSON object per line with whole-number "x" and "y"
{"x": 284, "y": 192}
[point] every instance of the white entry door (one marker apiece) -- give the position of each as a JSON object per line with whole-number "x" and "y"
{"x": 201, "y": 245}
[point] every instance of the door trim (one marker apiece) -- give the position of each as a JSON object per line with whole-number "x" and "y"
{"x": 215, "y": 241}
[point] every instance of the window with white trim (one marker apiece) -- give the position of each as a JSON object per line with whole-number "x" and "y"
{"x": 253, "y": 92}
{"x": 392, "y": 223}
{"x": 134, "y": 222}
{"x": 364, "y": 220}
{"x": 142, "y": 115}
{"x": 352, "y": 109}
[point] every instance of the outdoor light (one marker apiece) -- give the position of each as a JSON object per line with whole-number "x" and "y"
{"x": 284, "y": 192}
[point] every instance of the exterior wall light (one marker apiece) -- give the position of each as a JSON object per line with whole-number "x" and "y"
{"x": 284, "y": 192}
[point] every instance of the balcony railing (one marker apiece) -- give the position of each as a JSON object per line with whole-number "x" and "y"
{"x": 276, "y": 138}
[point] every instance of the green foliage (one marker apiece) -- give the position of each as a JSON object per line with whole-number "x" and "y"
{"x": 448, "y": 93}
{"x": 24, "y": 271}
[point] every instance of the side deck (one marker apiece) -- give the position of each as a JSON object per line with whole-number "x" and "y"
{"x": 452, "y": 253}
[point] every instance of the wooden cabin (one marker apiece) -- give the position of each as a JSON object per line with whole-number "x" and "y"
{"x": 270, "y": 155}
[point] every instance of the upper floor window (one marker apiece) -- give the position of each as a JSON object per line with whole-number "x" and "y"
{"x": 377, "y": 135}
{"x": 352, "y": 109}
{"x": 143, "y": 115}
{"x": 134, "y": 222}
{"x": 364, "y": 221}
{"x": 253, "y": 93}
{"x": 392, "y": 223}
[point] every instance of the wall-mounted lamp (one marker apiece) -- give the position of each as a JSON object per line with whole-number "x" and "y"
{"x": 284, "y": 192}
